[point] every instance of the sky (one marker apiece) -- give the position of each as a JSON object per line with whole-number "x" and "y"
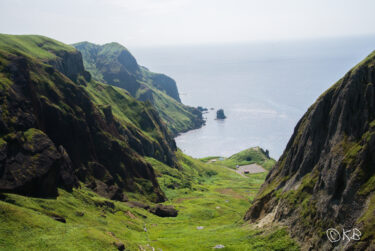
{"x": 181, "y": 22}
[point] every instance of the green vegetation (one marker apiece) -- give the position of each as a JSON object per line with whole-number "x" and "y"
{"x": 126, "y": 109}
{"x": 254, "y": 155}
{"x": 177, "y": 116}
{"x": 206, "y": 195}
{"x": 30, "y": 133}
{"x": 33, "y": 45}
{"x": 368, "y": 222}
{"x": 112, "y": 124}
{"x": 81, "y": 110}
{"x": 113, "y": 64}
{"x": 300, "y": 198}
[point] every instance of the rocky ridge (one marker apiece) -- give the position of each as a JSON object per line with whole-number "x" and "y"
{"x": 325, "y": 177}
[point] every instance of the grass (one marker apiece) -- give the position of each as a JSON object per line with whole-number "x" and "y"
{"x": 33, "y": 45}
{"x": 368, "y": 221}
{"x": 177, "y": 116}
{"x": 208, "y": 195}
{"x": 213, "y": 197}
{"x": 254, "y": 155}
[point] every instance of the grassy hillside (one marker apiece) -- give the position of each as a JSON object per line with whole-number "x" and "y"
{"x": 113, "y": 64}
{"x": 254, "y": 155}
{"x": 33, "y": 45}
{"x": 97, "y": 133}
{"x": 206, "y": 195}
{"x": 75, "y": 152}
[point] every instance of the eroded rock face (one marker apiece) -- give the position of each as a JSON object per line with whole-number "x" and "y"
{"x": 70, "y": 64}
{"x": 324, "y": 179}
{"x": 166, "y": 84}
{"x": 93, "y": 142}
{"x": 30, "y": 164}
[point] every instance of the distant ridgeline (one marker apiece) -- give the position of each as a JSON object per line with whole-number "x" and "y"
{"x": 113, "y": 64}
{"x": 60, "y": 126}
{"x": 326, "y": 176}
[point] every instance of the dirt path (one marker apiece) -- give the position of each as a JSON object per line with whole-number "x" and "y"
{"x": 253, "y": 168}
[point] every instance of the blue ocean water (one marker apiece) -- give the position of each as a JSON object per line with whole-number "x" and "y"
{"x": 264, "y": 88}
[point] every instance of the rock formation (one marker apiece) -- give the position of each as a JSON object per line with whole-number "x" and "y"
{"x": 326, "y": 175}
{"x": 220, "y": 114}
{"x": 113, "y": 64}
{"x": 54, "y": 131}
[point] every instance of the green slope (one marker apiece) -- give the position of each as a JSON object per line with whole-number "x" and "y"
{"x": 114, "y": 148}
{"x": 253, "y": 155}
{"x": 250, "y": 156}
{"x": 34, "y": 45}
{"x": 113, "y": 64}
{"x": 205, "y": 195}
{"x": 105, "y": 132}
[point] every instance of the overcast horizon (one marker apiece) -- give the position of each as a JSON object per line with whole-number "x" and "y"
{"x": 186, "y": 22}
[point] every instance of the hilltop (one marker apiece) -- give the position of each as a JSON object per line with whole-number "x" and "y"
{"x": 113, "y": 64}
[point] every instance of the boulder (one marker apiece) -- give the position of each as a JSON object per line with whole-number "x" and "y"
{"x": 220, "y": 114}
{"x": 119, "y": 245}
{"x": 58, "y": 218}
{"x": 30, "y": 164}
{"x": 164, "y": 211}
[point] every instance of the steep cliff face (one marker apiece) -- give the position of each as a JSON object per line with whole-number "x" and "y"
{"x": 326, "y": 175}
{"x": 57, "y": 125}
{"x": 111, "y": 64}
{"x": 115, "y": 65}
{"x": 30, "y": 164}
{"x": 162, "y": 82}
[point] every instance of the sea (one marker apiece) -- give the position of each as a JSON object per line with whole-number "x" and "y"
{"x": 264, "y": 88}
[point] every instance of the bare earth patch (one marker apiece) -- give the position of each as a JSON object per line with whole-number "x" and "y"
{"x": 231, "y": 192}
{"x": 253, "y": 168}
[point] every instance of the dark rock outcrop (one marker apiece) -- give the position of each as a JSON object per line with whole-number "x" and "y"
{"x": 165, "y": 84}
{"x": 164, "y": 211}
{"x": 58, "y": 218}
{"x": 119, "y": 245}
{"x": 325, "y": 177}
{"x": 202, "y": 109}
{"x": 70, "y": 64}
{"x": 220, "y": 114}
{"x": 113, "y": 62}
{"x": 30, "y": 164}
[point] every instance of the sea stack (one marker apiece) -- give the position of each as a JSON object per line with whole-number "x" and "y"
{"x": 220, "y": 114}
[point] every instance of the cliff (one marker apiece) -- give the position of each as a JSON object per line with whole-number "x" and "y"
{"x": 59, "y": 127}
{"x": 325, "y": 177}
{"x": 113, "y": 64}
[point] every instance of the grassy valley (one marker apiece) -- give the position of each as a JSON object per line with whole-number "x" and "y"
{"x": 84, "y": 165}
{"x": 88, "y": 161}
{"x": 211, "y": 200}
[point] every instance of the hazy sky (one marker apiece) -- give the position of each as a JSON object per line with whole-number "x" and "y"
{"x": 165, "y": 22}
